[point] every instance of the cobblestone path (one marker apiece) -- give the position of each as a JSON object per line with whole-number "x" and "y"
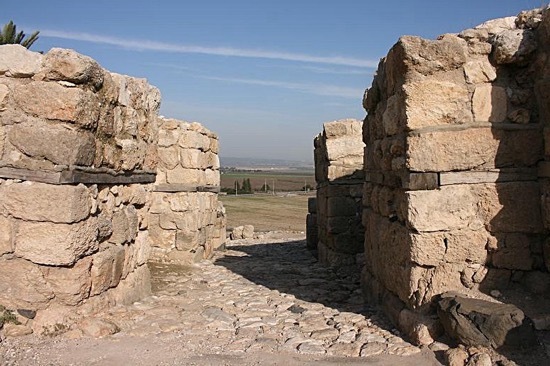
{"x": 257, "y": 297}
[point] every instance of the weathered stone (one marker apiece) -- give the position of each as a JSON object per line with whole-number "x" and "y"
{"x": 98, "y": 328}
{"x": 512, "y": 46}
{"x": 184, "y": 175}
{"x": 483, "y": 147}
{"x": 54, "y": 142}
{"x": 169, "y": 157}
{"x": 431, "y": 102}
{"x": 68, "y": 65}
{"x": 479, "y": 71}
{"x": 23, "y": 285}
{"x": 55, "y": 244}
{"x": 106, "y": 270}
{"x": 513, "y": 253}
{"x": 56, "y": 102}
{"x": 46, "y": 202}
{"x": 16, "y": 61}
{"x": 70, "y": 285}
{"x": 479, "y": 322}
{"x": 6, "y": 235}
{"x": 489, "y": 103}
{"x": 456, "y": 357}
{"x": 496, "y": 26}
{"x": 248, "y": 232}
{"x": 193, "y": 140}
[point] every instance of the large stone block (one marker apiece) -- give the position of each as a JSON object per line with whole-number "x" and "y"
{"x": 185, "y": 176}
{"x": 191, "y": 158}
{"x": 431, "y": 102}
{"x": 23, "y": 285}
{"x": 33, "y": 201}
{"x": 53, "y": 101}
{"x": 473, "y": 148}
{"x": 106, "y": 270}
{"x": 54, "y": 142}
{"x": 343, "y": 127}
{"x": 489, "y": 103}
{"x": 70, "y": 285}
{"x": 17, "y": 61}
{"x": 433, "y": 249}
{"x": 194, "y": 140}
{"x": 168, "y": 157}
{"x": 68, "y": 65}
{"x": 493, "y": 206}
{"x": 55, "y": 244}
{"x": 513, "y": 252}
{"x": 6, "y": 235}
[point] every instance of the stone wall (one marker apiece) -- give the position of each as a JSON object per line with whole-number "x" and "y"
{"x": 339, "y": 176}
{"x": 186, "y": 221}
{"x": 454, "y": 165}
{"x": 77, "y": 156}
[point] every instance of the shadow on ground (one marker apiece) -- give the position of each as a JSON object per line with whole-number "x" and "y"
{"x": 290, "y": 268}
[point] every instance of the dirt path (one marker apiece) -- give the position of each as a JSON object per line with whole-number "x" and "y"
{"x": 258, "y": 303}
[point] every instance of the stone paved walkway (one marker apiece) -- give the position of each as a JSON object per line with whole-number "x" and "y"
{"x": 259, "y": 297}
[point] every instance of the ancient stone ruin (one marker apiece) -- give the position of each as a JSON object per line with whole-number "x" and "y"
{"x": 456, "y": 177}
{"x": 186, "y": 221}
{"x": 81, "y": 203}
{"x": 336, "y": 211}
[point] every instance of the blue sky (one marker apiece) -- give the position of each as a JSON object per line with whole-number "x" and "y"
{"x": 263, "y": 75}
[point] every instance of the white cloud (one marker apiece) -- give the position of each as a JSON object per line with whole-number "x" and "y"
{"x": 318, "y": 89}
{"x": 147, "y": 45}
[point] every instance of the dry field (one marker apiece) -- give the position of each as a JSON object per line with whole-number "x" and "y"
{"x": 267, "y": 212}
{"x": 282, "y": 181}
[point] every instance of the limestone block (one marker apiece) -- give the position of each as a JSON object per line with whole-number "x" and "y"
{"x": 345, "y": 146}
{"x": 341, "y": 206}
{"x": 6, "y": 235}
{"x": 57, "y": 143}
{"x": 470, "y": 148}
{"x": 514, "y": 45}
{"x": 159, "y": 237}
{"x": 343, "y": 127}
{"x": 68, "y": 65}
{"x": 214, "y": 146}
{"x": 431, "y": 102}
{"x": 479, "y": 71}
{"x": 135, "y": 194}
{"x": 70, "y": 285}
{"x": 513, "y": 253}
{"x": 425, "y": 283}
{"x": 212, "y": 177}
{"x": 184, "y": 176}
{"x": 187, "y": 240}
{"x": 55, "y": 244}
{"x": 55, "y": 102}
{"x": 17, "y": 61}
{"x": 168, "y": 157}
{"x": 338, "y": 171}
{"x": 33, "y": 201}
{"x": 393, "y": 118}
{"x": 168, "y": 138}
{"x": 133, "y": 288}
{"x": 191, "y": 158}
{"x": 182, "y": 201}
{"x": 432, "y": 249}
{"x": 132, "y": 154}
{"x": 489, "y": 103}
{"x": 426, "y": 56}
{"x": 23, "y": 285}
{"x": 107, "y": 267}
{"x": 142, "y": 248}
{"x": 125, "y": 225}
{"x": 211, "y": 160}
{"x": 194, "y": 140}
{"x": 449, "y": 208}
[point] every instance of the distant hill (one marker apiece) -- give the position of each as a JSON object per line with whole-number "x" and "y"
{"x": 257, "y": 163}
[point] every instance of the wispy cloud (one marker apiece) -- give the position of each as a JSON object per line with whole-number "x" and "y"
{"x": 147, "y": 45}
{"x": 318, "y": 89}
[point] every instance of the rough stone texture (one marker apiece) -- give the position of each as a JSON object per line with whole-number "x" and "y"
{"x": 470, "y": 105}
{"x": 476, "y": 322}
{"x": 73, "y": 112}
{"x": 184, "y": 224}
{"x": 338, "y": 172}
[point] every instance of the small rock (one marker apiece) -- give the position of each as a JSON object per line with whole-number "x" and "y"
{"x": 496, "y": 293}
{"x": 480, "y": 359}
{"x": 438, "y": 346}
{"x": 456, "y": 357}
{"x": 98, "y": 327}
{"x": 310, "y": 348}
{"x": 29, "y": 314}
{"x": 14, "y": 330}
{"x": 296, "y": 309}
{"x": 372, "y": 349}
